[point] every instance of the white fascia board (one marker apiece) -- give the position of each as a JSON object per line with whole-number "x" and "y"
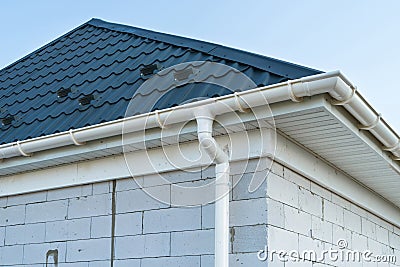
{"x": 142, "y": 162}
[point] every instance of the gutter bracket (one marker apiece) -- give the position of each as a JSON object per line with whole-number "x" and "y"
{"x": 292, "y": 96}
{"x": 23, "y": 153}
{"x": 239, "y": 105}
{"x": 393, "y": 148}
{"x": 346, "y": 100}
{"x": 158, "y": 118}
{"x": 74, "y": 140}
{"x": 372, "y": 125}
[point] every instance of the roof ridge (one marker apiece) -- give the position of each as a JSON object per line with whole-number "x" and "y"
{"x": 256, "y": 60}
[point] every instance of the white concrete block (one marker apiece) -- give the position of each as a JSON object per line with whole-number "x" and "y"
{"x": 310, "y": 249}
{"x": 25, "y": 234}
{"x": 99, "y": 264}
{"x": 249, "y": 238}
{"x": 207, "y": 260}
{"x": 73, "y": 264}
{"x": 172, "y": 219}
{"x": 192, "y": 243}
{"x": 339, "y": 232}
{"x": 248, "y": 212}
{"x": 11, "y": 255}
{"x": 102, "y": 188}
{"x": 36, "y": 253}
{"x": 275, "y": 167}
{"x": 321, "y": 191}
{"x": 193, "y": 193}
{"x": 282, "y": 190}
{"x": 100, "y": 227}
{"x": 338, "y": 200}
{"x": 89, "y": 250}
{"x": 297, "y": 221}
{"x": 310, "y": 202}
{"x": 321, "y": 229}
{"x": 46, "y": 211}
{"x": 396, "y": 230}
{"x": 251, "y": 166}
{"x": 2, "y": 235}
{"x": 358, "y": 210}
{"x": 394, "y": 240}
{"x": 241, "y": 186}
{"x": 142, "y": 246}
{"x": 333, "y": 213}
{"x": 276, "y": 263}
{"x": 291, "y": 263}
{"x": 359, "y": 242}
{"x": 378, "y": 221}
{"x": 245, "y": 259}
{"x": 352, "y": 221}
{"x": 127, "y": 263}
{"x": 185, "y": 261}
{"x": 375, "y": 247}
{"x": 156, "y": 179}
{"x": 69, "y": 192}
{"x": 26, "y": 198}
{"x": 128, "y": 224}
{"x": 95, "y": 205}
{"x": 368, "y": 228}
{"x": 281, "y": 239}
{"x": 208, "y": 172}
{"x": 174, "y": 177}
{"x": 3, "y": 202}
{"x": 296, "y": 178}
{"x": 276, "y": 216}
{"x": 139, "y": 200}
{"x": 382, "y": 234}
{"x": 208, "y": 216}
{"x": 68, "y": 230}
{"x": 129, "y": 184}
{"x": 12, "y": 215}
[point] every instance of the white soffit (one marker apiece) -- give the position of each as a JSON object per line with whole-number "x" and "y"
{"x": 330, "y": 133}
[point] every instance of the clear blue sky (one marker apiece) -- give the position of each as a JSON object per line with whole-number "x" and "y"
{"x": 359, "y": 37}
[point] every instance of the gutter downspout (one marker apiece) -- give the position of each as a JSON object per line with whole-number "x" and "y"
{"x": 222, "y": 186}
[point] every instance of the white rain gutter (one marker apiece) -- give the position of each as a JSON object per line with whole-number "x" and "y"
{"x": 205, "y": 121}
{"x": 333, "y": 83}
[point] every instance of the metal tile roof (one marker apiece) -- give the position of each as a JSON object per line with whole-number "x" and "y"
{"x": 99, "y": 63}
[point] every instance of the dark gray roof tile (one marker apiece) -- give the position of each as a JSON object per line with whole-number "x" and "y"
{"x": 104, "y": 60}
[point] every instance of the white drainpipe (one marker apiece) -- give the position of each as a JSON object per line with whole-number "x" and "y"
{"x": 222, "y": 186}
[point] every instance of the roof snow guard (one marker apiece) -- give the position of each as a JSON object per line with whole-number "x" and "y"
{"x": 89, "y": 75}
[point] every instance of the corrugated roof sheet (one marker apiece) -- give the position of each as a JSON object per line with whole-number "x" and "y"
{"x": 95, "y": 69}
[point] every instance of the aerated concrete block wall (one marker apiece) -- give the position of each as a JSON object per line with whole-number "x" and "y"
{"x": 304, "y": 216}
{"x": 85, "y": 225}
{"x": 75, "y": 225}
